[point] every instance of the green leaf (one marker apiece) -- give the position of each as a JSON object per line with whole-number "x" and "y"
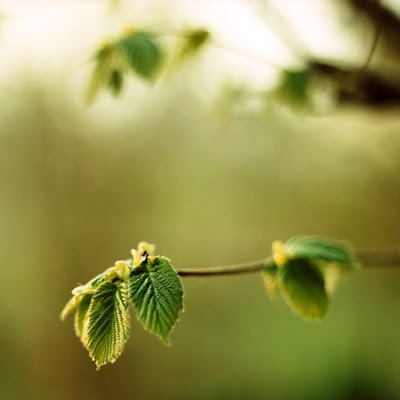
{"x": 318, "y": 248}
{"x": 80, "y": 292}
{"x": 81, "y": 318}
{"x": 98, "y": 279}
{"x": 72, "y": 303}
{"x": 115, "y": 82}
{"x": 271, "y": 281}
{"x": 294, "y": 86}
{"x": 156, "y": 292}
{"x": 142, "y": 52}
{"x": 194, "y": 40}
{"x": 332, "y": 275}
{"x": 108, "y": 325}
{"x": 302, "y": 286}
{"x": 107, "y": 73}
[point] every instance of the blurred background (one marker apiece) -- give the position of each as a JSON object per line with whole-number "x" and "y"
{"x": 211, "y": 163}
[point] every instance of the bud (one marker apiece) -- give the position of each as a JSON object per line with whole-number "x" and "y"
{"x": 122, "y": 270}
{"x": 278, "y": 253}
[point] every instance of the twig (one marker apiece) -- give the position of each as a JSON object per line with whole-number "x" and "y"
{"x": 389, "y": 257}
{"x": 377, "y": 32}
{"x": 227, "y": 270}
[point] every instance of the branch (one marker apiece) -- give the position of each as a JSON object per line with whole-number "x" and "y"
{"x": 377, "y": 32}
{"x": 389, "y": 257}
{"x": 227, "y": 270}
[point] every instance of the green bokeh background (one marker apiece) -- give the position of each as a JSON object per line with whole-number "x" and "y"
{"x": 81, "y": 187}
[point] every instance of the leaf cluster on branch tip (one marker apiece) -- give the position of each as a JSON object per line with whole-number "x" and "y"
{"x": 102, "y": 305}
{"x": 140, "y": 52}
{"x": 303, "y": 269}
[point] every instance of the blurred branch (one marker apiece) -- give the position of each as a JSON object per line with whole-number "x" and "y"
{"x": 389, "y": 257}
{"x": 367, "y": 88}
{"x": 355, "y": 85}
{"x": 227, "y": 270}
{"x": 377, "y": 32}
{"x": 282, "y": 28}
{"x": 383, "y": 18}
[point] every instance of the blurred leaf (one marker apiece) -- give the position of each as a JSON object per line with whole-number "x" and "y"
{"x": 115, "y": 82}
{"x": 107, "y": 73}
{"x": 81, "y": 318}
{"x": 302, "y": 286}
{"x": 108, "y": 326}
{"x": 156, "y": 292}
{"x": 318, "y": 248}
{"x": 271, "y": 281}
{"x": 193, "y": 41}
{"x": 294, "y": 87}
{"x": 332, "y": 274}
{"x": 142, "y": 52}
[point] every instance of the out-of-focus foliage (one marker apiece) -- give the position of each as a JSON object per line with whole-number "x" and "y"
{"x": 140, "y": 52}
{"x": 319, "y": 249}
{"x": 298, "y": 271}
{"x": 192, "y": 41}
{"x": 294, "y": 87}
{"x": 302, "y": 286}
{"x": 108, "y": 72}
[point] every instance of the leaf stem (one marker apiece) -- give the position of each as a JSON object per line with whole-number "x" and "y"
{"x": 387, "y": 257}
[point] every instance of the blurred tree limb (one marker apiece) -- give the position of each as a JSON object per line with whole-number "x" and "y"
{"x": 356, "y": 85}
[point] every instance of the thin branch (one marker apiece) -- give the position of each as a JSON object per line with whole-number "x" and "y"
{"x": 377, "y": 33}
{"x": 389, "y": 257}
{"x": 227, "y": 270}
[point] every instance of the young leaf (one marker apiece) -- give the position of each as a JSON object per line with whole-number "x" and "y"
{"x": 108, "y": 324}
{"x": 80, "y": 291}
{"x": 72, "y": 303}
{"x": 81, "y": 318}
{"x": 92, "y": 285}
{"x": 156, "y": 292}
{"x": 107, "y": 73}
{"x": 271, "y": 281}
{"x": 194, "y": 40}
{"x": 302, "y": 286}
{"x": 318, "y": 248}
{"x": 142, "y": 52}
{"x": 294, "y": 86}
{"x": 115, "y": 82}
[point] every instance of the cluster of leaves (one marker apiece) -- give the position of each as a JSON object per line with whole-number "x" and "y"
{"x": 102, "y": 305}
{"x": 144, "y": 54}
{"x": 305, "y": 270}
{"x": 139, "y": 52}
